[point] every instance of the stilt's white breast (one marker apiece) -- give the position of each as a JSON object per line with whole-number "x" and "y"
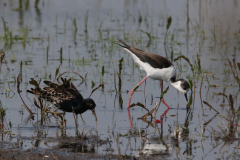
{"x": 155, "y": 73}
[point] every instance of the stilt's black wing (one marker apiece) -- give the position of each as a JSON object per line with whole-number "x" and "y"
{"x": 156, "y": 61}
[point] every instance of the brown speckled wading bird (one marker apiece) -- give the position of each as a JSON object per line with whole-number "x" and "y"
{"x": 65, "y": 97}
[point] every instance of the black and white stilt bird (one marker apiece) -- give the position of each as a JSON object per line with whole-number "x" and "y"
{"x": 157, "y": 68}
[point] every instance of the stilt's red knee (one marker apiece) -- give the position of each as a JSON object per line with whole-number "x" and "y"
{"x": 165, "y": 103}
{"x": 131, "y": 92}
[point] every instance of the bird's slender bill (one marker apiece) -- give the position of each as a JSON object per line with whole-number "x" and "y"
{"x": 186, "y": 96}
{"x": 94, "y": 113}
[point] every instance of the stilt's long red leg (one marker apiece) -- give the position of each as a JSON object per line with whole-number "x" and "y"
{"x": 130, "y": 120}
{"x": 162, "y": 98}
{"x": 134, "y": 88}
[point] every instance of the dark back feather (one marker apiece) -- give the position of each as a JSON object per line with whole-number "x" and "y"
{"x": 156, "y": 61}
{"x": 55, "y": 92}
{"x": 64, "y": 90}
{"x": 65, "y": 96}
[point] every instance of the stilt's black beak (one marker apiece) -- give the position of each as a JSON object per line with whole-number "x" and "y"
{"x": 94, "y": 113}
{"x": 186, "y": 96}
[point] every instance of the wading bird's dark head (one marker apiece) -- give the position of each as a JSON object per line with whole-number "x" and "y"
{"x": 88, "y": 103}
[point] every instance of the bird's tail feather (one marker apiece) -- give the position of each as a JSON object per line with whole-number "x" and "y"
{"x": 124, "y": 45}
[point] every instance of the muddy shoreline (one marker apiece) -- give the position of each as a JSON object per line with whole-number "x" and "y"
{"x": 67, "y": 148}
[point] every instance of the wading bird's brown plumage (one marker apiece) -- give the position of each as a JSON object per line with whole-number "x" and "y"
{"x": 64, "y": 96}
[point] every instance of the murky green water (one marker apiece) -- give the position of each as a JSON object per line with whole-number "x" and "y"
{"x": 205, "y": 32}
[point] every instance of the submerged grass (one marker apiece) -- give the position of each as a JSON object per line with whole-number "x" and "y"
{"x": 234, "y": 70}
{"x": 2, "y": 114}
{"x": 169, "y": 22}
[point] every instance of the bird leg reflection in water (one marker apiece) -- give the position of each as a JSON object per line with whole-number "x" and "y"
{"x": 162, "y": 116}
{"x": 144, "y": 117}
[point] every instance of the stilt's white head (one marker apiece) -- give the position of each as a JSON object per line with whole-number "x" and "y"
{"x": 181, "y": 85}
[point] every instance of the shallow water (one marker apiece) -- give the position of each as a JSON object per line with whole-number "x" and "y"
{"x": 207, "y": 29}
